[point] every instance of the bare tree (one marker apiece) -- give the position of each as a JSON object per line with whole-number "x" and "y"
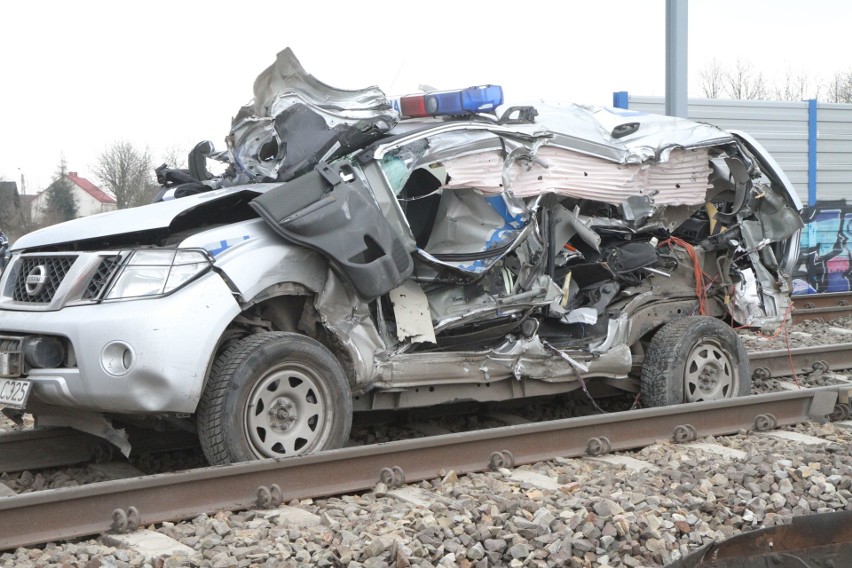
{"x": 839, "y": 88}
{"x": 744, "y": 83}
{"x": 711, "y": 79}
{"x": 175, "y": 157}
{"x": 127, "y": 172}
{"x": 796, "y": 86}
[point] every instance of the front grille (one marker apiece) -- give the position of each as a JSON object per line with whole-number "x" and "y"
{"x": 101, "y": 277}
{"x": 47, "y": 273}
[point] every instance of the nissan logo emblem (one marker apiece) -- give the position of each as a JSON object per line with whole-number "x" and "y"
{"x": 36, "y": 280}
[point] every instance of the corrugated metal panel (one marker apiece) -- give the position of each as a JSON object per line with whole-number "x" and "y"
{"x": 834, "y": 151}
{"x": 782, "y": 127}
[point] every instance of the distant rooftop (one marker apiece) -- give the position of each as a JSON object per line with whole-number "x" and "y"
{"x": 91, "y": 188}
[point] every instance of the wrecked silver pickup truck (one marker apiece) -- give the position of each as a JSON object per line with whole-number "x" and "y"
{"x": 362, "y": 253}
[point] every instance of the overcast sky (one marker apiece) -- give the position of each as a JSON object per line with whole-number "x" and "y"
{"x": 75, "y": 76}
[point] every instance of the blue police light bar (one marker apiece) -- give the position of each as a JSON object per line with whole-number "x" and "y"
{"x": 481, "y": 99}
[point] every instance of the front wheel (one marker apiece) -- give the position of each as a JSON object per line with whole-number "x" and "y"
{"x": 694, "y": 359}
{"x": 273, "y": 395}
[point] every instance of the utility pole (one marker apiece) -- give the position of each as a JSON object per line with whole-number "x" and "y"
{"x": 676, "y": 51}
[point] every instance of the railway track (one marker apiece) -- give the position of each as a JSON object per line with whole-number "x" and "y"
{"x": 822, "y": 306}
{"x": 73, "y": 512}
{"x": 55, "y": 447}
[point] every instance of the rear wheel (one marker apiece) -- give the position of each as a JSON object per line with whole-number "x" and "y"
{"x": 694, "y": 359}
{"x": 274, "y": 395}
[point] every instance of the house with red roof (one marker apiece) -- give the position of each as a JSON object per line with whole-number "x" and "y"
{"x": 90, "y": 199}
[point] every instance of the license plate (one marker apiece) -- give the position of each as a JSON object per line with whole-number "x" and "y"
{"x": 14, "y": 392}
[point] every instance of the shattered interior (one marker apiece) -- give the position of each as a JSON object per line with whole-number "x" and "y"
{"x": 533, "y": 251}
{"x": 483, "y": 257}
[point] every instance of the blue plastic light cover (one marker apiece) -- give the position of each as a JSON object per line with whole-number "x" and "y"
{"x": 444, "y": 102}
{"x": 482, "y": 99}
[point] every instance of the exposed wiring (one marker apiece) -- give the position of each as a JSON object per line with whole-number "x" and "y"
{"x": 637, "y": 400}
{"x": 574, "y": 367}
{"x": 586, "y": 390}
{"x": 701, "y": 286}
{"x": 703, "y": 282}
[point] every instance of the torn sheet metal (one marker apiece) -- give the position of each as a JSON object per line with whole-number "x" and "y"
{"x": 411, "y": 310}
{"x": 348, "y": 318}
{"x": 569, "y": 223}
{"x": 296, "y": 121}
{"x": 589, "y": 130}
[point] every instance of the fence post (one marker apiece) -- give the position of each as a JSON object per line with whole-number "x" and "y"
{"x": 812, "y": 152}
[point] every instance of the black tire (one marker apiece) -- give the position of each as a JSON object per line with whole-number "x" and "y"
{"x": 694, "y": 359}
{"x": 273, "y": 395}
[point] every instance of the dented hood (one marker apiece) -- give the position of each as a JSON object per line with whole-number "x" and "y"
{"x": 155, "y": 216}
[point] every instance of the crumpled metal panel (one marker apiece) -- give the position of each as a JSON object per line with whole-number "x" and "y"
{"x": 411, "y": 310}
{"x": 296, "y": 121}
{"x": 468, "y": 224}
{"x": 286, "y": 77}
{"x": 681, "y": 180}
{"x": 348, "y": 318}
{"x": 589, "y": 129}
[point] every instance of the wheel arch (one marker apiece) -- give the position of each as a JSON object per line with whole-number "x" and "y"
{"x": 289, "y": 307}
{"x": 646, "y": 321}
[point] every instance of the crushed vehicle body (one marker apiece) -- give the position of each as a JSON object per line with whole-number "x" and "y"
{"x": 353, "y": 257}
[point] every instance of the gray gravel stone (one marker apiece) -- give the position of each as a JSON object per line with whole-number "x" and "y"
{"x": 519, "y": 551}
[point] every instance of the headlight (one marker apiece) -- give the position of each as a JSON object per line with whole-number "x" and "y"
{"x": 157, "y": 272}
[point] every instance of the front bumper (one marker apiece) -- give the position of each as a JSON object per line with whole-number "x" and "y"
{"x": 140, "y": 356}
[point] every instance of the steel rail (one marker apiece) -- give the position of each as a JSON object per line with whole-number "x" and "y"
{"x": 821, "y": 313}
{"x": 776, "y": 363}
{"x": 827, "y": 300}
{"x": 61, "y": 514}
{"x": 821, "y": 306}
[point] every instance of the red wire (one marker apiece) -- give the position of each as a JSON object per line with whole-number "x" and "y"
{"x": 701, "y": 292}
{"x": 700, "y": 276}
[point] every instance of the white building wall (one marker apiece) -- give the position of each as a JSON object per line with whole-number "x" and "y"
{"x": 86, "y": 204}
